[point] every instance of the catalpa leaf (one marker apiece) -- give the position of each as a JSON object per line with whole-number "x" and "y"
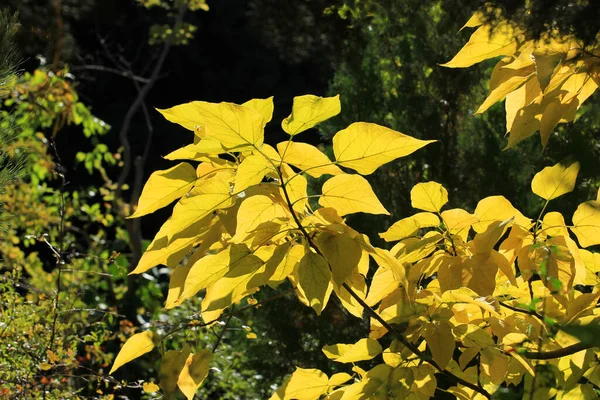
{"x": 308, "y": 111}
{"x": 304, "y": 384}
{"x": 163, "y": 187}
{"x": 264, "y": 107}
{"x": 307, "y": 158}
{"x": 350, "y": 194}
{"x": 555, "y": 181}
{"x": 410, "y": 226}
{"x": 586, "y": 221}
{"x": 314, "y": 279}
{"x": 429, "y": 196}
{"x": 137, "y": 345}
{"x": 193, "y": 373}
{"x": 364, "y": 349}
{"x": 364, "y": 147}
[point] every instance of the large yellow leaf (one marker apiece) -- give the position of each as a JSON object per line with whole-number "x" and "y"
{"x": 304, "y": 384}
{"x": 213, "y": 267}
{"x": 359, "y": 287}
{"x": 586, "y": 221}
{"x": 194, "y": 371}
{"x": 458, "y": 222}
{"x": 171, "y": 252}
{"x": 314, "y": 279}
{"x": 364, "y": 349}
{"x": 553, "y": 224}
{"x": 552, "y": 182}
{"x": 187, "y": 115}
{"x": 519, "y": 98}
{"x": 213, "y": 194}
{"x": 251, "y": 172}
{"x": 343, "y": 254}
{"x": 382, "y": 284}
{"x": 592, "y": 266}
{"x": 364, "y": 146}
{"x": 410, "y": 226}
{"x": 350, "y": 194}
{"x": 440, "y": 340}
{"x": 253, "y": 212}
{"x": 497, "y": 208}
{"x": 308, "y": 111}
{"x": 135, "y": 346}
{"x": 505, "y": 80}
{"x": 264, "y": 107}
{"x": 163, "y": 187}
{"x": 197, "y": 151}
{"x": 171, "y": 365}
{"x": 285, "y": 263}
{"x": 486, "y": 42}
{"x": 176, "y": 285}
{"x": 242, "y": 279}
{"x": 429, "y": 196}
{"x": 307, "y": 158}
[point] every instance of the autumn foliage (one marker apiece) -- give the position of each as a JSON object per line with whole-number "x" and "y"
{"x": 485, "y": 300}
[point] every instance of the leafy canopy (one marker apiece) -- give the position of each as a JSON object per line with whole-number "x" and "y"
{"x": 474, "y": 297}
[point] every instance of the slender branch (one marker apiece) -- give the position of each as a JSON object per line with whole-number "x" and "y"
{"x": 127, "y": 74}
{"x": 220, "y": 337}
{"x": 522, "y": 310}
{"x": 565, "y": 351}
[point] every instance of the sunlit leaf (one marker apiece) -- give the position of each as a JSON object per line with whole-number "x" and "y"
{"x": 364, "y": 349}
{"x": 586, "y": 221}
{"x": 307, "y": 158}
{"x": 304, "y": 384}
{"x": 314, "y": 279}
{"x": 350, "y": 194}
{"x": 410, "y": 226}
{"x": 430, "y": 196}
{"x": 364, "y": 147}
{"x": 309, "y": 110}
{"x": 194, "y": 371}
{"x": 552, "y": 182}
{"x": 136, "y": 346}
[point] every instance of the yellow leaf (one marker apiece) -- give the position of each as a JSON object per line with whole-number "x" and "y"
{"x": 586, "y": 221}
{"x": 429, "y": 196}
{"x": 339, "y": 379}
{"x": 552, "y": 182}
{"x": 440, "y": 341}
{"x": 364, "y": 147}
{"x": 242, "y": 279}
{"x": 150, "y": 387}
{"x": 253, "y": 212}
{"x": 343, "y": 254}
{"x": 519, "y": 98}
{"x": 296, "y": 186}
{"x": 410, "y": 226}
{"x": 358, "y": 285}
{"x": 504, "y": 81}
{"x": 213, "y": 194}
{"x": 497, "y": 208}
{"x": 232, "y": 125}
{"x": 553, "y": 224}
{"x": 251, "y": 335}
{"x": 285, "y": 263}
{"x": 194, "y": 372}
{"x": 314, "y": 279}
{"x": 171, "y": 365}
{"x": 458, "y": 222}
{"x": 308, "y": 111}
{"x": 163, "y": 187}
{"x": 350, "y": 194}
{"x": 307, "y": 158}
{"x": 187, "y": 115}
{"x": 382, "y": 284}
{"x": 264, "y": 107}
{"x": 213, "y": 267}
{"x": 45, "y": 366}
{"x": 251, "y": 172}
{"x": 135, "y": 346}
{"x": 197, "y": 151}
{"x": 486, "y": 42}
{"x": 592, "y": 266}
{"x": 170, "y": 253}
{"x": 364, "y": 349}
{"x": 304, "y": 384}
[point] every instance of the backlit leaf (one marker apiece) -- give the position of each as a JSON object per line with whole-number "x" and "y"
{"x": 410, "y": 226}
{"x": 163, "y": 187}
{"x": 343, "y": 254}
{"x": 497, "y": 208}
{"x": 586, "y": 221}
{"x": 364, "y": 349}
{"x": 552, "y": 182}
{"x": 308, "y": 111}
{"x": 137, "y": 345}
{"x": 364, "y": 147}
{"x": 264, "y": 107}
{"x": 304, "y": 384}
{"x": 314, "y": 279}
{"x": 194, "y": 371}
{"x": 429, "y": 196}
{"x": 251, "y": 171}
{"x": 486, "y": 42}
{"x": 350, "y": 194}
{"x": 255, "y": 211}
{"x": 307, "y": 158}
